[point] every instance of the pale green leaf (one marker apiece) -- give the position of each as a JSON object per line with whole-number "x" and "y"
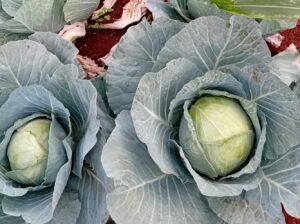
{"x": 263, "y": 9}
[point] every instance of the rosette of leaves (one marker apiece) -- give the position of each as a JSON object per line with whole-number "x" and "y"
{"x": 51, "y": 172}
{"x": 152, "y": 152}
{"x": 274, "y": 16}
{"x": 21, "y": 18}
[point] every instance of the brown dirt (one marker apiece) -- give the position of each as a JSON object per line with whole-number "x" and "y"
{"x": 290, "y": 36}
{"x": 289, "y": 219}
{"x": 98, "y": 42}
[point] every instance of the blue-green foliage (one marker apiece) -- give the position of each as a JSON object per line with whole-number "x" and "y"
{"x": 187, "y": 10}
{"x": 40, "y": 77}
{"x": 153, "y": 176}
{"x": 19, "y": 19}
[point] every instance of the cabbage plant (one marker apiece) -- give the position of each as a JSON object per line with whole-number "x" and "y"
{"x": 53, "y": 126}
{"x": 274, "y": 15}
{"x": 205, "y": 132}
{"x": 21, "y": 18}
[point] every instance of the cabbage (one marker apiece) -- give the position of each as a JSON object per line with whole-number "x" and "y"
{"x": 53, "y": 126}
{"x": 19, "y": 19}
{"x": 205, "y": 131}
{"x": 28, "y": 151}
{"x": 224, "y": 131}
{"x": 273, "y": 15}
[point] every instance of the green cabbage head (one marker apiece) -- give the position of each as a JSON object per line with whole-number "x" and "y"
{"x": 224, "y": 131}
{"x": 28, "y": 151}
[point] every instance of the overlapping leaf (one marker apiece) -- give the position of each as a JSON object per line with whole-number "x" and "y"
{"x": 19, "y": 19}
{"x": 135, "y": 55}
{"x": 143, "y": 193}
{"x": 262, "y": 205}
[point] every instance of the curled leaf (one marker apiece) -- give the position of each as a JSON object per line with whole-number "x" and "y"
{"x": 263, "y": 9}
{"x": 275, "y": 39}
{"x": 107, "y": 4}
{"x": 286, "y": 65}
{"x": 89, "y": 66}
{"x": 107, "y": 58}
{"x": 133, "y": 11}
{"x": 74, "y": 31}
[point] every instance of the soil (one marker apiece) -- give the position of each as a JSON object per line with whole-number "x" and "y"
{"x": 98, "y": 42}
{"x": 290, "y": 36}
{"x": 289, "y": 219}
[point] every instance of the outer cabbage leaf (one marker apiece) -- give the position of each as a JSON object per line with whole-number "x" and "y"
{"x": 61, "y": 48}
{"x": 270, "y": 27}
{"x": 263, "y": 9}
{"x": 134, "y": 56}
{"x": 94, "y": 184}
{"x": 174, "y": 9}
{"x": 28, "y": 100}
{"x": 11, "y": 6}
{"x": 279, "y": 105}
{"x": 6, "y": 36}
{"x": 3, "y": 15}
{"x": 89, "y": 116}
{"x": 160, "y": 8}
{"x": 100, "y": 84}
{"x": 4, "y": 218}
{"x": 78, "y": 10}
{"x": 238, "y": 43}
{"x": 80, "y": 97}
{"x": 150, "y": 110}
{"x": 57, "y": 155}
{"x": 67, "y": 210}
{"x": 55, "y": 44}
{"x": 198, "y": 8}
{"x": 286, "y": 65}
{"x": 32, "y": 16}
{"x": 280, "y": 184}
{"x": 19, "y": 19}
{"x": 181, "y": 7}
{"x": 21, "y": 71}
{"x": 143, "y": 193}
{"x": 92, "y": 196}
{"x": 188, "y": 10}
{"x": 41, "y": 203}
